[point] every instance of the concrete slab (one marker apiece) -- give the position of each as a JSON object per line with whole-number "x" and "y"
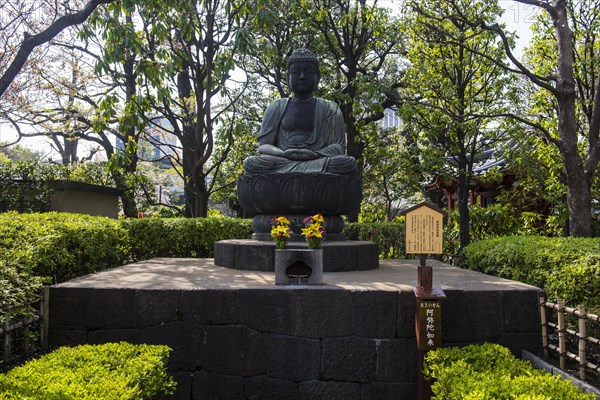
{"x": 202, "y": 273}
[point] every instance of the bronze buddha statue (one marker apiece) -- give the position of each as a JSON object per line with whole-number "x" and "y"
{"x": 302, "y": 133}
{"x": 301, "y": 167}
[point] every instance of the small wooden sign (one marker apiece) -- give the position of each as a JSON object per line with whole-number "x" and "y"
{"x": 424, "y": 229}
{"x": 429, "y": 324}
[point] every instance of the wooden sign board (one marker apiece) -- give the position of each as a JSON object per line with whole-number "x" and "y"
{"x": 424, "y": 229}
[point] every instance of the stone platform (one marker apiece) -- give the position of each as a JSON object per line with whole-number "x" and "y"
{"x": 236, "y": 335}
{"x": 257, "y": 255}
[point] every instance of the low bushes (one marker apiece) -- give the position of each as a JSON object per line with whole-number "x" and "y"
{"x": 18, "y": 287}
{"x": 565, "y": 267}
{"x": 181, "y": 237}
{"x": 53, "y": 247}
{"x": 389, "y": 236}
{"x": 490, "y": 371}
{"x": 109, "y": 371}
{"x": 60, "y": 245}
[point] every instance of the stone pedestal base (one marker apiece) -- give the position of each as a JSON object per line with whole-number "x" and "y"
{"x": 299, "y": 267}
{"x": 300, "y": 193}
{"x": 255, "y": 255}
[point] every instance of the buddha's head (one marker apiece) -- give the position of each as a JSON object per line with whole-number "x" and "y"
{"x": 303, "y": 72}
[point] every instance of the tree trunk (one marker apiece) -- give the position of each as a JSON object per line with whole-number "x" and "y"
{"x": 579, "y": 201}
{"x": 69, "y": 152}
{"x": 189, "y": 192}
{"x": 128, "y": 196}
{"x": 463, "y": 210}
{"x": 201, "y": 198}
{"x": 578, "y": 197}
{"x": 129, "y": 205}
{"x": 354, "y": 147}
{"x": 188, "y": 141}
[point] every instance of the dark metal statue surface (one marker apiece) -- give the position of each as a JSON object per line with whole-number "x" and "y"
{"x": 303, "y": 133}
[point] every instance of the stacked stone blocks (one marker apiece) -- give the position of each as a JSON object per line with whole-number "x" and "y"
{"x": 288, "y": 343}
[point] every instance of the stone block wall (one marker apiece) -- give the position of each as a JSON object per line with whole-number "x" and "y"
{"x": 299, "y": 343}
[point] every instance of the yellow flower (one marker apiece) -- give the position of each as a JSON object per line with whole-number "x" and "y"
{"x": 318, "y": 218}
{"x": 280, "y": 231}
{"x": 283, "y": 220}
{"x": 313, "y": 230}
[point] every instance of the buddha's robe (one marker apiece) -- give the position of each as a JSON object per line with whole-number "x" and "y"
{"x": 327, "y": 139}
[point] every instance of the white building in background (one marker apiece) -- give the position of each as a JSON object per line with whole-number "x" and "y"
{"x": 390, "y": 119}
{"x": 163, "y": 143}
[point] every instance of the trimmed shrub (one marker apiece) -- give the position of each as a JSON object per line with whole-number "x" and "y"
{"x": 389, "y": 236}
{"x": 109, "y": 371}
{"x": 490, "y": 371}
{"x": 61, "y": 245}
{"x": 564, "y": 267}
{"x": 181, "y": 237}
{"x": 18, "y": 288}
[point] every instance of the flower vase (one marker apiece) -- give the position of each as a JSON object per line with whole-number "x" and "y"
{"x": 298, "y": 267}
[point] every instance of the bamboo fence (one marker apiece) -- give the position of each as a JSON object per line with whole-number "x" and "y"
{"x": 20, "y": 325}
{"x": 561, "y": 328}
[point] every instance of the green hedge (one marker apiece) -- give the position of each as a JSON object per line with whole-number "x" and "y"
{"x": 181, "y": 237}
{"x": 565, "y": 267}
{"x": 389, "y": 236}
{"x": 18, "y": 287}
{"x": 112, "y": 371}
{"x": 61, "y": 245}
{"x": 490, "y": 371}
{"x": 53, "y": 247}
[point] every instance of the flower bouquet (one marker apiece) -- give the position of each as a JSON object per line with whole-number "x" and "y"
{"x": 313, "y": 230}
{"x": 280, "y": 231}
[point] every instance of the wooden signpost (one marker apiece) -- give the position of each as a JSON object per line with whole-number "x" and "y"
{"x": 424, "y": 235}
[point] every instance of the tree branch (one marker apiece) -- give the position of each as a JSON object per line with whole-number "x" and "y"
{"x": 495, "y": 28}
{"x": 31, "y": 42}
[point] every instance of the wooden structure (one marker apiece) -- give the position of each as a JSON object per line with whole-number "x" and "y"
{"x": 561, "y": 328}
{"x": 18, "y": 326}
{"x": 425, "y": 235}
{"x": 482, "y": 193}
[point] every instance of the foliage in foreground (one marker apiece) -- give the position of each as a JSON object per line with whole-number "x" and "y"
{"x": 565, "y": 267}
{"x": 490, "y": 371}
{"x": 119, "y": 371}
{"x": 55, "y": 247}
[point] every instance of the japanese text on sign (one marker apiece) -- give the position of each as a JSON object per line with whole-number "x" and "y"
{"x": 429, "y": 335}
{"x": 424, "y": 231}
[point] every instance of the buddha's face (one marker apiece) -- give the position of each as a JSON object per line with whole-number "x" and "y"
{"x": 303, "y": 77}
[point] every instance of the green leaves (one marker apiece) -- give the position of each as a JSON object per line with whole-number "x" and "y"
{"x": 490, "y": 371}
{"x": 181, "y": 237}
{"x": 566, "y": 268}
{"x": 111, "y": 371}
{"x": 389, "y": 236}
{"x": 61, "y": 245}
